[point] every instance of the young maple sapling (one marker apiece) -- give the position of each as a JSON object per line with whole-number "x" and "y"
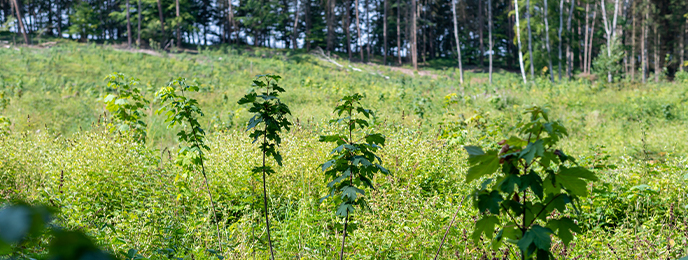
{"x": 352, "y": 165}
{"x": 272, "y": 114}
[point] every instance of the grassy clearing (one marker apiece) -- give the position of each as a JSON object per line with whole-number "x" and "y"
{"x": 131, "y": 196}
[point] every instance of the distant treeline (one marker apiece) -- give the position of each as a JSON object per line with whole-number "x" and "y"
{"x": 556, "y": 38}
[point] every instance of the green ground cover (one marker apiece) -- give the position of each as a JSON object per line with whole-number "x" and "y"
{"x": 59, "y": 150}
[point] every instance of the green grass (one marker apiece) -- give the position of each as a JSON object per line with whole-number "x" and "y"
{"x": 128, "y": 195}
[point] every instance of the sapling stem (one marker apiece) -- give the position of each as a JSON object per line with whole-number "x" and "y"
{"x": 265, "y": 196}
{"x": 449, "y": 227}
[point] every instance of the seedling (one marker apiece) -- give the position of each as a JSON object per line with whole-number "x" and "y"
{"x": 526, "y": 208}
{"x": 182, "y": 110}
{"x": 271, "y": 113}
{"x": 352, "y": 165}
{"x": 126, "y": 105}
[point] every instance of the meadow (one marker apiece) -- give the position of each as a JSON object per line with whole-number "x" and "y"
{"x": 59, "y": 149}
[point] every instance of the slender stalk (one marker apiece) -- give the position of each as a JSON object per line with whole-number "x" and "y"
{"x": 549, "y": 51}
{"x": 449, "y": 227}
{"x": 458, "y": 43}
{"x": 265, "y": 196}
{"x": 351, "y": 180}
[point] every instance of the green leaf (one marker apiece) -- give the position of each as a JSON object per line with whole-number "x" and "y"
{"x": 327, "y": 164}
{"x": 532, "y": 150}
{"x": 564, "y": 228}
{"x": 473, "y": 150}
{"x": 533, "y": 181}
{"x": 485, "y": 225}
{"x": 537, "y": 235}
{"x": 489, "y": 201}
{"x": 508, "y": 183}
{"x": 344, "y": 209}
{"x": 485, "y": 164}
{"x": 572, "y": 180}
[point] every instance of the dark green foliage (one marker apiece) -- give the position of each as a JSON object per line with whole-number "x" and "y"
{"x": 530, "y": 187}
{"x": 352, "y": 165}
{"x": 126, "y": 105}
{"x": 269, "y": 111}
{"x": 22, "y": 225}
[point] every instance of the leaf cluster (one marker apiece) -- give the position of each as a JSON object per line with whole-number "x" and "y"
{"x": 353, "y": 163}
{"x": 126, "y": 104}
{"x": 269, "y": 112}
{"x": 182, "y": 110}
{"x": 529, "y": 186}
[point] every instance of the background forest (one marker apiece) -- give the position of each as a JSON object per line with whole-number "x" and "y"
{"x": 615, "y": 39}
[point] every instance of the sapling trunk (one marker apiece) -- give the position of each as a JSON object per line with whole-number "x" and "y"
{"x": 265, "y": 196}
{"x": 351, "y": 181}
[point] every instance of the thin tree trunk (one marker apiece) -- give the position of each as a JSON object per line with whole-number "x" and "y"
{"x": 128, "y": 27}
{"x": 633, "y": 40}
{"x": 346, "y": 223}
{"x": 330, "y": 25}
{"x": 358, "y": 30}
{"x": 230, "y": 20}
{"x": 414, "y": 35}
{"x": 347, "y": 27}
{"x": 179, "y": 24}
{"x": 682, "y": 45}
{"x": 58, "y": 5}
{"x": 658, "y": 61}
{"x": 549, "y": 51}
{"x": 481, "y": 23}
{"x": 19, "y": 22}
{"x": 643, "y": 41}
{"x": 162, "y": 24}
{"x": 592, "y": 36}
{"x": 458, "y": 43}
{"x": 294, "y": 34}
{"x": 307, "y": 17}
{"x": 569, "y": 54}
{"x": 368, "y": 39}
{"x": 399, "y": 31}
{"x": 138, "y": 32}
{"x": 489, "y": 35}
{"x": 585, "y": 38}
{"x": 561, "y": 29}
{"x": 518, "y": 37}
{"x": 384, "y": 32}
{"x": 530, "y": 42}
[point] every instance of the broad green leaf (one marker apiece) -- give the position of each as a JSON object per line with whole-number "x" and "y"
{"x": 508, "y": 184}
{"x": 488, "y": 164}
{"x": 537, "y": 235}
{"x": 489, "y": 201}
{"x": 532, "y": 150}
{"x": 572, "y": 180}
{"x": 473, "y": 150}
{"x": 485, "y": 225}
{"x": 533, "y": 181}
{"x": 564, "y": 227}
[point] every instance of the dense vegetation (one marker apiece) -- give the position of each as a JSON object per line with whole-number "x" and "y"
{"x": 139, "y": 197}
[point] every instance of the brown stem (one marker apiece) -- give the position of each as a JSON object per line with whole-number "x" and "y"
{"x": 449, "y": 227}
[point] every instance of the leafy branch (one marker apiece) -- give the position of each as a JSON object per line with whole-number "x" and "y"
{"x": 126, "y": 105}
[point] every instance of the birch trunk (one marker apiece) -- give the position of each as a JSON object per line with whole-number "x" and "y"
{"x": 518, "y": 37}
{"x": 128, "y": 27}
{"x": 138, "y": 32}
{"x": 585, "y": 39}
{"x": 561, "y": 28}
{"x": 458, "y": 43}
{"x": 384, "y": 33}
{"x": 399, "y": 31}
{"x": 295, "y": 32}
{"x": 162, "y": 24}
{"x": 569, "y": 54}
{"x": 549, "y": 51}
{"x": 414, "y": 36}
{"x": 179, "y": 24}
{"x": 481, "y": 23}
{"x": 358, "y": 30}
{"x": 489, "y": 33}
{"x": 530, "y": 42}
